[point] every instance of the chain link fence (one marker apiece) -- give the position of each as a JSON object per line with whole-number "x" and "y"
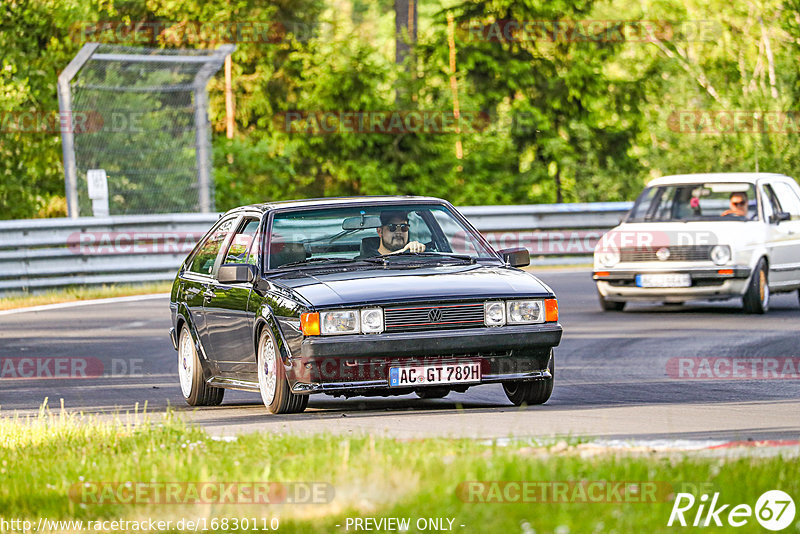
{"x": 139, "y": 114}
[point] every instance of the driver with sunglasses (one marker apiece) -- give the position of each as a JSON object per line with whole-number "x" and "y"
{"x": 738, "y": 205}
{"x": 393, "y": 234}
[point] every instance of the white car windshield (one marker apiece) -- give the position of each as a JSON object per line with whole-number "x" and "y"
{"x": 696, "y": 202}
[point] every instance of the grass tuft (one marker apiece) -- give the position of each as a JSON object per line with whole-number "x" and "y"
{"x": 76, "y": 293}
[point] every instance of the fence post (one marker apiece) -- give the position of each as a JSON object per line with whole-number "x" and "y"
{"x": 65, "y": 114}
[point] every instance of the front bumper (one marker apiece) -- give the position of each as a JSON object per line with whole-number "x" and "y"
{"x": 619, "y": 284}
{"x": 435, "y": 342}
{"x": 362, "y": 362}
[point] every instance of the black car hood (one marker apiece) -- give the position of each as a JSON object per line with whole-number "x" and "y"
{"x": 337, "y": 286}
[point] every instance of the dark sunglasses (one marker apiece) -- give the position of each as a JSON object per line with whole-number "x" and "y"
{"x": 742, "y": 203}
{"x": 394, "y": 227}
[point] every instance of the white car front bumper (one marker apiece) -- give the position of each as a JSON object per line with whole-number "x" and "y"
{"x": 619, "y": 284}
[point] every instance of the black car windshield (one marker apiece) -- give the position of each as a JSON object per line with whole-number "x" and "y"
{"x": 426, "y": 232}
{"x": 696, "y": 202}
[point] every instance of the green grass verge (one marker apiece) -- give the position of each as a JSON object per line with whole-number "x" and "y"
{"x": 71, "y": 294}
{"x": 43, "y": 458}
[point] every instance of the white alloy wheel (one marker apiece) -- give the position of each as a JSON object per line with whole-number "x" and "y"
{"x": 186, "y": 359}
{"x": 267, "y": 369}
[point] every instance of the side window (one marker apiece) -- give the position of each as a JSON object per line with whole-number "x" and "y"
{"x": 203, "y": 261}
{"x": 255, "y": 248}
{"x": 788, "y": 199}
{"x": 771, "y": 205}
{"x": 241, "y": 242}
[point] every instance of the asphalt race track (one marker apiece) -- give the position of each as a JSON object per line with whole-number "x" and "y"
{"x": 616, "y": 375}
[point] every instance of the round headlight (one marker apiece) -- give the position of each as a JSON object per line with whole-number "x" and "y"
{"x": 372, "y": 320}
{"x": 610, "y": 257}
{"x": 494, "y": 313}
{"x": 721, "y": 254}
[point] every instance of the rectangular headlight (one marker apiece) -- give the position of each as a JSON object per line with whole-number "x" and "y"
{"x": 339, "y": 322}
{"x": 494, "y": 313}
{"x": 372, "y": 320}
{"x": 525, "y": 311}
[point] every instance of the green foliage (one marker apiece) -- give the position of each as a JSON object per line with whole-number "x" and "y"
{"x": 555, "y": 119}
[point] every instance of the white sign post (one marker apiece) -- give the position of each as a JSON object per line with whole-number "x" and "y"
{"x": 98, "y": 191}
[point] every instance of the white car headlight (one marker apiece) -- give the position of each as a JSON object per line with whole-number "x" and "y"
{"x": 339, "y": 322}
{"x": 372, "y": 320}
{"x": 494, "y": 313}
{"x": 609, "y": 257}
{"x": 721, "y": 254}
{"x": 524, "y": 311}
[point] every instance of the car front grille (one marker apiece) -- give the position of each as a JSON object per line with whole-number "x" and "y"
{"x": 676, "y": 253}
{"x": 433, "y": 317}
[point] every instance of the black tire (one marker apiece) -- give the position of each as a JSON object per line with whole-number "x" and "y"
{"x": 533, "y": 391}
{"x": 432, "y": 393}
{"x": 281, "y": 400}
{"x": 756, "y": 298}
{"x": 610, "y": 305}
{"x": 195, "y": 390}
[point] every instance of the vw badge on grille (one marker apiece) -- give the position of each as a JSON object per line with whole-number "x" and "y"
{"x": 435, "y": 315}
{"x": 663, "y": 254}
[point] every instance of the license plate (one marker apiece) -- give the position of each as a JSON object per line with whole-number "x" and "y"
{"x": 425, "y": 375}
{"x": 663, "y": 280}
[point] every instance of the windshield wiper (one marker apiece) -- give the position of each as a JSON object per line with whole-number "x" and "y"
{"x": 436, "y": 255}
{"x": 310, "y": 261}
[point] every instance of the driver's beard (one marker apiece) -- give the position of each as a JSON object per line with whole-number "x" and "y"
{"x": 392, "y": 245}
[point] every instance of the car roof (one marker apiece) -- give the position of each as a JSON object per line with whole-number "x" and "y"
{"x": 336, "y": 202}
{"x": 716, "y": 177}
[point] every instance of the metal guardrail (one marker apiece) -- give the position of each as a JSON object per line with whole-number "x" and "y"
{"x": 38, "y": 254}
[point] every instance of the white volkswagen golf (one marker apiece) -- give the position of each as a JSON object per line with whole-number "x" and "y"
{"x": 704, "y": 236}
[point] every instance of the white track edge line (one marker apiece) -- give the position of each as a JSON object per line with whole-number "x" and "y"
{"x": 110, "y": 300}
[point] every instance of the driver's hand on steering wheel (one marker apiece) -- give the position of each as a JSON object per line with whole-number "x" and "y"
{"x": 412, "y": 246}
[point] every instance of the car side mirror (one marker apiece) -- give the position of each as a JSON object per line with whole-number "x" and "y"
{"x": 516, "y": 257}
{"x": 776, "y": 218}
{"x": 236, "y": 273}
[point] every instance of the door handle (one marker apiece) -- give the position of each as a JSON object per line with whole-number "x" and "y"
{"x": 209, "y": 293}
{"x": 192, "y": 291}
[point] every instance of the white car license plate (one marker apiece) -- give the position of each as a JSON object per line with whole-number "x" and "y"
{"x": 424, "y": 375}
{"x": 663, "y": 280}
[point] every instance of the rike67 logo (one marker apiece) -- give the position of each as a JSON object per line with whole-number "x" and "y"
{"x": 774, "y": 510}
